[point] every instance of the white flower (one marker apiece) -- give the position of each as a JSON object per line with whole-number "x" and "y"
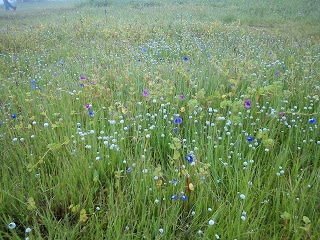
{"x": 28, "y": 230}
{"x": 211, "y": 222}
{"x": 46, "y": 124}
{"x": 12, "y": 225}
{"x": 242, "y": 196}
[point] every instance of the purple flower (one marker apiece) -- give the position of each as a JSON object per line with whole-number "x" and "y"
{"x": 185, "y": 58}
{"x": 83, "y": 78}
{"x": 88, "y": 106}
{"x": 129, "y": 169}
{"x": 145, "y": 93}
{"x": 177, "y": 120}
{"x": 277, "y": 73}
{"x": 247, "y": 103}
{"x": 182, "y": 97}
{"x": 281, "y": 114}
{"x": 55, "y": 74}
{"x": 143, "y": 49}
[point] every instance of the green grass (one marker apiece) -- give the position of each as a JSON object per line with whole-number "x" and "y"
{"x": 92, "y": 97}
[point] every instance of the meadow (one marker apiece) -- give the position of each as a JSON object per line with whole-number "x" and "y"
{"x": 141, "y": 119}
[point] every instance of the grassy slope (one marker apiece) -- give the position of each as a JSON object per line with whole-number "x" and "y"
{"x": 104, "y": 44}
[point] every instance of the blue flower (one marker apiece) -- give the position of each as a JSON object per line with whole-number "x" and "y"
{"x": 129, "y": 169}
{"x": 143, "y": 49}
{"x": 177, "y": 120}
{"x": 175, "y": 129}
{"x": 174, "y": 197}
{"x": 13, "y": 116}
{"x": 184, "y": 198}
{"x": 91, "y": 113}
{"x": 312, "y": 120}
{"x": 175, "y": 182}
{"x": 185, "y": 58}
{"x": 33, "y": 84}
{"x": 250, "y": 139}
{"x": 190, "y": 158}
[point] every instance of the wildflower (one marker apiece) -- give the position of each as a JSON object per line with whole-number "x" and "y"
{"x": 247, "y": 103}
{"x": 185, "y": 58}
{"x": 129, "y": 169}
{"x": 243, "y": 218}
{"x": 174, "y": 197}
{"x": 182, "y": 97}
{"x": 312, "y": 120}
{"x": 12, "y": 225}
{"x": 88, "y": 106}
{"x": 190, "y": 158}
{"x": 250, "y": 139}
{"x": 46, "y": 124}
{"x": 175, "y": 182}
{"x": 145, "y": 93}
{"x": 184, "y": 198}
{"x": 13, "y": 116}
{"x": 281, "y": 114}
{"x": 83, "y": 78}
{"x": 177, "y": 120}
{"x": 161, "y": 230}
{"x": 242, "y": 196}
{"x": 175, "y": 129}
{"x": 28, "y": 230}
{"x": 90, "y": 113}
{"x": 33, "y": 84}
{"x": 211, "y": 222}
{"x": 277, "y": 73}
{"x": 143, "y": 49}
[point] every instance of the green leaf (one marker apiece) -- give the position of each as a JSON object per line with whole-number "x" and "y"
{"x": 306, "y": 220}
{"x": 286, "y": 216}
{"x": 31, "y": 204}
{"x": 53, "y": 146}
{"x": 176, "y": 155}
{"x": 95, "y": 176}
{"x": 83, "y": 216}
